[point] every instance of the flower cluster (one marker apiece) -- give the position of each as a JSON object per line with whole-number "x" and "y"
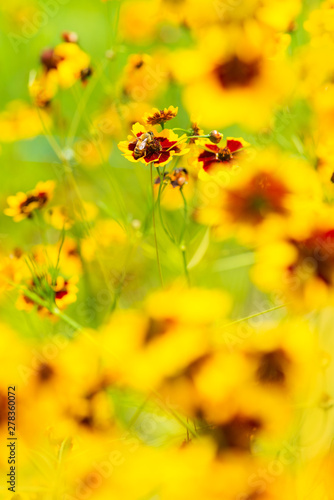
{"x": 167, "y": 287}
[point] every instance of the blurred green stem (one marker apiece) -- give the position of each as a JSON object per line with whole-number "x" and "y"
{"x": 182, "y": 242}
{"x": 154, "y": 225}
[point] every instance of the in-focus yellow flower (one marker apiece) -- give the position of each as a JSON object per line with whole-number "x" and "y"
{"x": 224, "y": 154}
{"x": 149, "y": 146}
{"x": 160, "y": 116}
{"x": 23, "y": 205}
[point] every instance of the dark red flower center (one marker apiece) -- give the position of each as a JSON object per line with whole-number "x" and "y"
{"x": 237, "y": 73}
{"x": 263, "y": 195}
{"x": 225, "y": 154}
{"x": 40, "y": 198}
{"x": 272, "y": 367}
{"x": 316, "y": 256}
{"x": 49, "y": 59}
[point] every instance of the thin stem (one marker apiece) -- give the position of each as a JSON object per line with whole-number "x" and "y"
{"x": 83, "y": 103}
{"x": 164, "y": 227}
{"x": 154, "y": 226}
{"x": 182, "y": 242}
{"x": 52, "y": 308}
{"x": 185, "y": 265}
{"x": 255, "y": 315}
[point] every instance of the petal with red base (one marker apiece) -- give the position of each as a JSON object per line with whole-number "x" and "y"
{"x": 234, "y": 145}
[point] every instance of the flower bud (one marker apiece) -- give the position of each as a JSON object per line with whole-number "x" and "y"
{"x": 215, "y": 136}
{"x": 70, "y": 37}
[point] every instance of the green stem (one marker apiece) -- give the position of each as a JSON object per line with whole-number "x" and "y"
{"x": 182, "y": 242}
{"x": 83, "y": 103}
{"x": 164, "y": 227}
{"x": 52, "y": 308}
{"x": 255, "y": 315}
{"x": 154, "y": 227}
{"x": 185, "y": 265}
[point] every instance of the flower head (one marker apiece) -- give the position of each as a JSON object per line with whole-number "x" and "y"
{"x": 62, "y": 66}
{"x": 22, "y": 205}
{"x": 151, "y": 146}
{"x": 158, "y": 117}
{"x": 220, "y": 155}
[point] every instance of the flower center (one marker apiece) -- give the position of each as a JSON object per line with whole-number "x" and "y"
{"x": 225, "y": 154}
{"x": 153, "y": 147}
{"x": 272, "y": 367}
{"x": 237, "y": 73}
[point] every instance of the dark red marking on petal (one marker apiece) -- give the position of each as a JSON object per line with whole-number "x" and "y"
{"x": 165, "y": 143}
{"x": 132, "y": 146}
{"x": 209, "y": 164}
{"x": 234, "y": 145}
{"x": 151, "y": 157}
{"x": 212, "y": 147}
{"x": 164, "y": 157}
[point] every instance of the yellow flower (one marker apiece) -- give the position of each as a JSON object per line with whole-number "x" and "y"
{"x": 65, "y": 291}
{"x": 62, "y": 66}
{"x": 21, "y": 121}
{"x": 156, "y": 343}
{"x": 148, "y": 146}
{"x": 72, "y": 63}
{"x": 159, "y": 117}
{"x": 300, "y": 264}
{"x": 145, "y": 76}
{"x": 270, "y": 190}
{"x": 320, "y": 24}
{"x": 43, "y": 88}
{"x": 58, "y": 217}
{"x": 230, "y": 78}
{"x": 23, "y": 205}
{"x": 66, "y": 251}
{"x": 107, "y": 235}
{"x": 273, "y": 14}
{"x": 225, "y": 154}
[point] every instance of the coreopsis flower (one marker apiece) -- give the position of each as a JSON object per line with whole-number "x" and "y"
{"x": 265, "y": 193}
{"x": 273, "y": 14}
{"x": 230, "y": 78}
{"x": 21, "y": 121}
{"x": 320, "y": 24}
{"x": 62, "y": 67}
{"x": 13, "y": 269}
{"x": 163, "y": 338}
{"x": 145, "y": 76}
{"x": 221, "y": 154}
{"x": 136, "y": 27}
{"x": 58, "y": 217}
{"x": 62, "y": 291}
{"x": 149, "y": 146}
{"x": 300, "y": 265}
{"x": 195, "y": 130}
{"x": 159, "y": 117}
{"x": 107, "y": 235}
{"x": 66, "y": 253}
{"x": 176, "y": 178}
{"x": 65, "y": 291}
{"x": 23, "y": 205}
